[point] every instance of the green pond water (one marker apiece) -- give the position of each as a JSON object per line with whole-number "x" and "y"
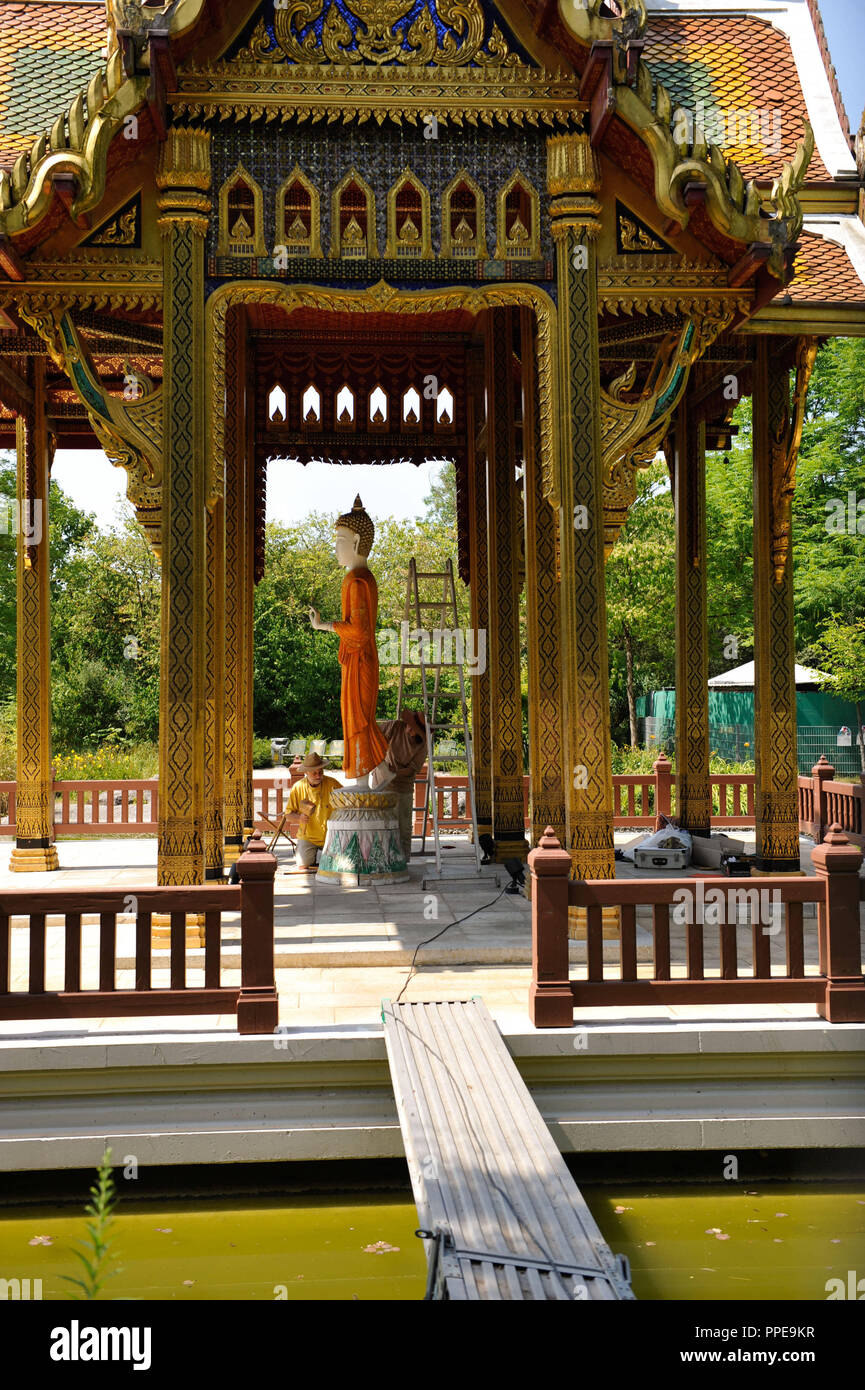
{"x": 770, "y": 1241}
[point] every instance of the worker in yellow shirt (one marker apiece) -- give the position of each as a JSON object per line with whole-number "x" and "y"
{"x": 309, "y": 808}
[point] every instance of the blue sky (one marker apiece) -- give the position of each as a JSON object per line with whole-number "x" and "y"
{"x": 844, "y": 22}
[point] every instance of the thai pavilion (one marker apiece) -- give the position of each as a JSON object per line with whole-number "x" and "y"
{"x": 598, "y": 224}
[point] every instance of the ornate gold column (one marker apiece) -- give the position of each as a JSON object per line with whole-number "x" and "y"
{"x": 574, "y": 181}
{"x": 693, "y": 792}
{"x": 214, "y": 724}
{"x": 777, "y": 433}
{"x": 246, "y": 692}
{"x": 34, "y": 836}
{"x": 506, "y": 731}
{"x": 479, "y": 596}
{"x": 184, "y": 182}
{"x": 547, "y": 787}
{"x": 234, "y": 786}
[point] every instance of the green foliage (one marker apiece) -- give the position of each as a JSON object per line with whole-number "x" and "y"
{"x": 261, "y": 755}
{"x": 68, "y": 531}
{"x": 8, "y": 743}
{"x": 95, "y": 1254}
{"x": 105, "y": 641}
{"x": 109, "y": 762}
{"x": 641, "y": 578}
{"x": 828, "y": 563}
{"x": 840, "y": 652}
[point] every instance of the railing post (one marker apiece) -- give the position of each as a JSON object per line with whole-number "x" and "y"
{"x": 295, "y": 769}
{"x": 837, "y": 864}
{"x": 821, "y": 772}
{"x": 257, "y": 1003}
{"x": 551, "y": 1003}
{"x": 662, "y": 768}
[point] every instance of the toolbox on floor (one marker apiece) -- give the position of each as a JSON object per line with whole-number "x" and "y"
{"x": 661, "y": 858}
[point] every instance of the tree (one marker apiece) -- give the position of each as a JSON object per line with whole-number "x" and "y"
{"x": 640, "y": 575}
{"x": 106, "y": 622}
{"x": 840, "y": 648}
{"x": 68, "y": 531}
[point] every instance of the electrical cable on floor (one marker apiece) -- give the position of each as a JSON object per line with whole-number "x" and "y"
{"x": 430, "y": 939}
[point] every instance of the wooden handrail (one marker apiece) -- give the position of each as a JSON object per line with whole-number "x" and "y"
{"x": 837, "y": 989}
{"x": 639, "y": 799}
{"x": 254, "y": 1001}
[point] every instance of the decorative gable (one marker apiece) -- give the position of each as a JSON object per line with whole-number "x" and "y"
{"x": 450, "y": 33}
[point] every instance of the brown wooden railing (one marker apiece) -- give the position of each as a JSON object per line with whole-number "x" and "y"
{"x": 824, "y": 802}
{"x": 110, "y": 807}
{"x": 132, "y": 807}
{"x": 254, "y": 1000}
{"x": 837, "y": 987}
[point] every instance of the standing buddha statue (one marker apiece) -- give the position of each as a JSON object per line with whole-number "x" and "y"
{"x": 364, "y": 744}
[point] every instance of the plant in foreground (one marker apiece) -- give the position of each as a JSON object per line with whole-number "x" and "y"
{"x": 95, "y": 1256}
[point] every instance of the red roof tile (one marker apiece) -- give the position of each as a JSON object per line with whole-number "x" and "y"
{"x": 739, "y": 71}
{"x": 823, "y": 273}
{"x": 48, "y": 53}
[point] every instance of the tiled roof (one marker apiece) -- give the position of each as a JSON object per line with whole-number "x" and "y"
{"x": 739, "y": 71}
{"x": 824, "y": 273}
{"x": 48, "y": 53}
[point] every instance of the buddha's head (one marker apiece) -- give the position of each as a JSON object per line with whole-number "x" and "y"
{"x": 354, "y": 535}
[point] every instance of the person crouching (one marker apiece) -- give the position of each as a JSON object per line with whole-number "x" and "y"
{"x": 309, "y": 800}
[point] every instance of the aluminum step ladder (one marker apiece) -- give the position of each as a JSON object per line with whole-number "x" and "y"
{"x": 429, "y": 666}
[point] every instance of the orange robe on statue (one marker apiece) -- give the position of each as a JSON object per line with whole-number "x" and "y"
{"x": 365, "y": 745}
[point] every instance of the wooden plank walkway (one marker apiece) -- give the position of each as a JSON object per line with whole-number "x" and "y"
{"x": 501, "y": 1216}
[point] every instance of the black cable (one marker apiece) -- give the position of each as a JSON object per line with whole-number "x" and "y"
{"x": 430, "y": 939}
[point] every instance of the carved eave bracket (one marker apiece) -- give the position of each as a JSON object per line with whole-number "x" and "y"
{"x": 632, "y": 431}
{"x": 130, "y": 432}
{"x": 71, "y": 159}
{"x": 689, "y": 170}
{"x": 785, "y": 454}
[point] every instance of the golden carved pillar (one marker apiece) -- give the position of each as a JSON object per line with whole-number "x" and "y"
{"x": 506, "y": 721}
{"x": 693, "y": 792}
{"x": 777, "y": 432}
{"x": 546, "y": 783}
{"x": 479, "y": 596}
{"x": 34, "y": 836}
{"x": 234, "y": 786}
{"x": 183, "y": 181}
{"x": 214, "y": 723}
{"x": 247, "y": 683}
{"x": 574, "y": 181}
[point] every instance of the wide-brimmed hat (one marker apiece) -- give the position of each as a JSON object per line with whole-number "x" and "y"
{"x": 313, "y": 760}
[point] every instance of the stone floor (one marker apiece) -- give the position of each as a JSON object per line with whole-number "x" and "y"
{"x": 341, "y": 951}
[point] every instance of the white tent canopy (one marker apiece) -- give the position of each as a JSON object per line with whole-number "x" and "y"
{"x": 742, "y": 677}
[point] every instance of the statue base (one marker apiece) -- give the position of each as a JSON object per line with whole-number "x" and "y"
{"x": 362, "y": 843}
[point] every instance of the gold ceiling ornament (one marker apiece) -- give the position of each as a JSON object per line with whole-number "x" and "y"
{"x": 378, "y": 298}
{"x": 249, "y": 241}
{"x": 298, "y": 240}
{"x": 130, "y": 431}
{"x": 636, "y": 285}
{"x": 360, "y": 243}
{"x": 682, "y": 156}
{"x": 375, "y": 38}
{"x": 243, "y": 89}
{"x": 636, "y": 238}
{"x": 420, "y": 245}
{"x": 632, "y": 430}
{"x": 785, "y": 453}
